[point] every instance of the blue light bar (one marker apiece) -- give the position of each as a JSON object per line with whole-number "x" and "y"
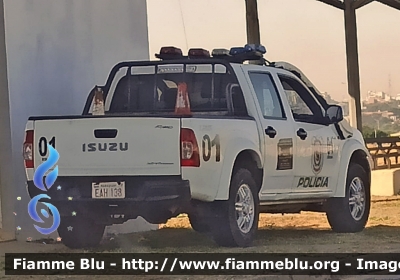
{"x": 237, "y": 50}
{"x": 257, "y": 48}
{"x": 249, "y": 49}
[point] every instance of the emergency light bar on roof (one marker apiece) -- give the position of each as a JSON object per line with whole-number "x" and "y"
{"x": 167, "y": 53}
{"x": 248, "y": 52}
{"x": 198, "y": 53}
{"x": 235, "y": 54}
{"x": 220, "y": 53}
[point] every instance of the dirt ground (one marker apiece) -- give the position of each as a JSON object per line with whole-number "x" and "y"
{"x": 304, "y": 233}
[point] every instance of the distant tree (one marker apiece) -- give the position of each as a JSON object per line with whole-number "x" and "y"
{"x": 396, "y": 111}
{"x": 384, "y": 121}
{"x": 369, "y": 132}
{"x": 378, "y": 107}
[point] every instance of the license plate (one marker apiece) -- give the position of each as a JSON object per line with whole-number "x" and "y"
{"x": 108, "y": 190}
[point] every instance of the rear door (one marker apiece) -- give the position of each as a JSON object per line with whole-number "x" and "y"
{"x": 277, "y": 132}
{"x": 134, "y": 146}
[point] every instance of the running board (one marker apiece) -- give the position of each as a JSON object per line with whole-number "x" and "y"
{"x": 296, "y": 201}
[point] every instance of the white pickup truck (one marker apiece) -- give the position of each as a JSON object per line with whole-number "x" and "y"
{"x": 208, "y": 135}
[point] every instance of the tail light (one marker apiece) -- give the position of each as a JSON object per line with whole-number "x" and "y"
{"x": 189, "y": 148}
{"x": 28, "y": 149}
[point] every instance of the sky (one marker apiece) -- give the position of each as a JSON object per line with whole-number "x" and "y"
{"x": 306, "y": 33}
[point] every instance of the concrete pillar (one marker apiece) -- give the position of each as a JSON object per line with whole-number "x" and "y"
{"x": 7, "y": 198}
{"x": 353, "y": 72}
{"x": 252, "y": 23}
{"x": 56, "y": 52}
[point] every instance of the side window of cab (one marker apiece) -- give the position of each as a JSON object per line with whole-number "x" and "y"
{"x": 303, "y": 105}
{"x": 267, "y": 95}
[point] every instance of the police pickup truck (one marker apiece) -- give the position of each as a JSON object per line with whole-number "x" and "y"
{"x": 221, "y": 137}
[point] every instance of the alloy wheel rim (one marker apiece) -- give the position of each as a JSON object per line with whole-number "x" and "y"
{"x": 244, "y": 208}
{"x": 357, "y": 199}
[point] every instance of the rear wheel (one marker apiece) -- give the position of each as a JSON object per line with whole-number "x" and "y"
{"x": 236, "y": 221}
{"x": 198, "y": 223}
{"x": 350, "y": 213}
{"x": 79, "y": 233}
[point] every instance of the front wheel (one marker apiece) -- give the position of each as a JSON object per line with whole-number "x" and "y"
{"x": 236, "y": 221}
{"x": 350, "y": 213}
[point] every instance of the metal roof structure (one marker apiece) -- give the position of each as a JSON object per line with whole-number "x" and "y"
{"x": 359, "y": 3}
{"x": 353, "y": 73}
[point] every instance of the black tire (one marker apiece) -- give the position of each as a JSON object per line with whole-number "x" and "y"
{"x": 198, "y": 223}
{"x": 339, "y": 211}
{"x": 225, "y": 229}
{"x": 84, "y": 234}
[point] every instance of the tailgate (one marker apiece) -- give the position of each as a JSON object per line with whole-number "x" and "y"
{"x": 111, "y": 146}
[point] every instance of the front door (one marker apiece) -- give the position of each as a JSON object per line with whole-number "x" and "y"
{"x": 316, "y": 163}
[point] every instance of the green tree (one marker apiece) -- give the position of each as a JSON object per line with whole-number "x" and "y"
{"x": 369, "y": 132}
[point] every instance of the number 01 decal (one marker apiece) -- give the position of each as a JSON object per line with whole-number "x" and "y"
{"x": 207, "y": 145}
{"x": 43, "y": 145}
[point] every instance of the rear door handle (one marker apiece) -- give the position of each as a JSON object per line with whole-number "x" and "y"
{"x": 270, "y": 131}
{"x": 302, "y": 134}
{"x": 105, "y": 133}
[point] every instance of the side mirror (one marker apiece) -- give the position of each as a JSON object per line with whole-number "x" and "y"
{"x": 334, "y": 113}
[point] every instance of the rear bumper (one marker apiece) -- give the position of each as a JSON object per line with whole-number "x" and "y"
{"x": 154, "y": 198}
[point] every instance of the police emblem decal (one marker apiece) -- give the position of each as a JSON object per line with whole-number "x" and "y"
{"x": 317, "y": 158}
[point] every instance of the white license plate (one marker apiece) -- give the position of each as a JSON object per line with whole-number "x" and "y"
{"x": 108, "y": 190}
